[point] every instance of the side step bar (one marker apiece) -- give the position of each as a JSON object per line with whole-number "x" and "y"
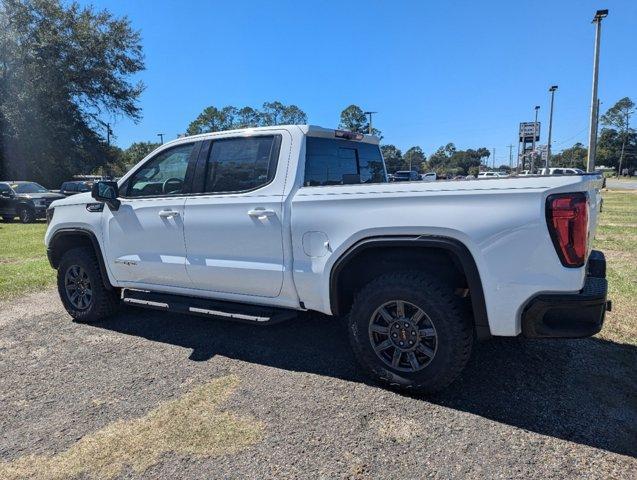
{"x": 207, "y": 308}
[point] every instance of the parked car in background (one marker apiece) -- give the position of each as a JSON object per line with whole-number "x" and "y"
{"x": 406, "y": 176}
{"x": 71, "y": 188}
{"x": 493, "y": 175}
{"x": 429, "y": 177}
{"x": 561, "y": 171}
{"x": 26, "y": 200}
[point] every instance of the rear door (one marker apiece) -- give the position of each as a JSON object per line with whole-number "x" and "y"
{"x": 234, "y": 227}
{"x": 144, "y": 238}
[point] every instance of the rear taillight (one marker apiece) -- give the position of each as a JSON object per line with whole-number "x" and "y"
{"x": 567, "y": 219}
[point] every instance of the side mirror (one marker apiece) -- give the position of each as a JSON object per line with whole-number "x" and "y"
{"x": 106, "y": 192}
{"x": 6, "y": 194}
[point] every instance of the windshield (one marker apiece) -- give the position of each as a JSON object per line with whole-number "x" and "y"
{"x": 29, "y": 187}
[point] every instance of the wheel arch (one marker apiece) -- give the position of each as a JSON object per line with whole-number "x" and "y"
{"x": 66, "y": 238}
{"x": 454, "y": 249}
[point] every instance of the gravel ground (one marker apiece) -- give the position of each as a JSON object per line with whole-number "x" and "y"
{"x": 541, "y": 409}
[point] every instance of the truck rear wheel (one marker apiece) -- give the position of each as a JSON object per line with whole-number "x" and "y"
{"x": 410, "y": 331}
{"x": 81, "y": 287}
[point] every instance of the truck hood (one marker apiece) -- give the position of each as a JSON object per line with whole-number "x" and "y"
{"x": 79, "y": 199}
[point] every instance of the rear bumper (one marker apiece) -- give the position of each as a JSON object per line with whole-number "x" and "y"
{"x": 572, "y": 315}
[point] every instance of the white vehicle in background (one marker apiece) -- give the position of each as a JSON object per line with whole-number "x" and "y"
{"x": 260, "y": 224}
{"x": 429, "y": 177}
{"x": 493, "y": 175}
{"x": 561, "y": 171}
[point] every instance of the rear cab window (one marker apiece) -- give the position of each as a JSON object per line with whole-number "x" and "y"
{"x": 332, "y": 161}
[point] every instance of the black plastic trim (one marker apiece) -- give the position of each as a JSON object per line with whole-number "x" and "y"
{"x": 455, "y": 247}
{"x": 55, "y": 259}
{"x": 570, "y": 315}
{"x": 576, "y": 315}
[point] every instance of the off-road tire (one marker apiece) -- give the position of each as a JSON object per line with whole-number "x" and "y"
{"x": 103, "y": 303}
{"x": 453, "y": 325}
{"x": 26, "y": 215}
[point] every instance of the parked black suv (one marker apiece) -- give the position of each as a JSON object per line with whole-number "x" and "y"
{"x": 26, "y": 200}
{"x": 71, "y": 188}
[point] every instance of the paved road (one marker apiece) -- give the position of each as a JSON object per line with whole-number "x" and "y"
{"x": 523, "y": 409}
{"x": 621, "y": 184}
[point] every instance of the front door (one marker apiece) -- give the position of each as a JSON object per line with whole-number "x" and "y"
{"x": 234, "y": 228}
{"x": 144, "y": 238}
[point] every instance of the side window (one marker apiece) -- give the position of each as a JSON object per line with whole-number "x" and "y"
{"x": 4, "y": 188}
{"x": 337, "y": 162}
{"x": 162, "y": 175}
{"x": 241, "y": 164}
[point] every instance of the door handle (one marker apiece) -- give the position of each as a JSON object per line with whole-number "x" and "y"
{"x": 261, "y": 213}
{"x": 168, "y": 214}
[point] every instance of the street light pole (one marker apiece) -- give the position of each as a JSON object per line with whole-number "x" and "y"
{"x": 369, "y": 127}
{"x": 537, "y": 109}
{"x": 548, "y": 146}
{"x": 592, "y": 130}
{"x": 161, "y": 137}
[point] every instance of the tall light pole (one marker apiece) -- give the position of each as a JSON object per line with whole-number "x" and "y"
{"x": 161, "y": 137}
{"x": 548, "y": 146}
{"x": 592, "y": 130}
{"x": 369, "y": 127}
{"x": 531, "y": 157}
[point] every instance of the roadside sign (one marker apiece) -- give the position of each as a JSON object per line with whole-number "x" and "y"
{"x": 526, "y": 131}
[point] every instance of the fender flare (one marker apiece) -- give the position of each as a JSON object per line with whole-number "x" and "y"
{"x": 454, "y": 247}
{"x": 67, "y": 232}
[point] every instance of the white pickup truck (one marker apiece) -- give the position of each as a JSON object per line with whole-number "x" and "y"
{"x": 260, "y": 224}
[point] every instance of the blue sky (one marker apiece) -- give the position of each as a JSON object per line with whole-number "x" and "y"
{"x": 448, "y": 71}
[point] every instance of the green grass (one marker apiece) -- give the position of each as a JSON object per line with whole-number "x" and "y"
{"x": 617, "y": 238}
{"x": 23, "y": 263}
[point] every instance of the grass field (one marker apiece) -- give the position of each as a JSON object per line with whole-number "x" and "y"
{"x": 24, "y": 267}
{"x": 23, "y": 263}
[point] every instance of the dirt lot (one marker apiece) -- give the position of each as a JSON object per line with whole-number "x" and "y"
{"x": 124, "y": 399}
{"x": 154, "y": 395}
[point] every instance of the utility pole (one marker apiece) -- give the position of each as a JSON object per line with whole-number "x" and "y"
{"x": 494, "y": 158}
{"x": 161, "y": 137}
{"x": 592, "y": 130}
{"x": 531, "y": 157}
{"x": 369, "y": 126}
{"x": 548, "y": 146}
{"x": 109, "y": 132}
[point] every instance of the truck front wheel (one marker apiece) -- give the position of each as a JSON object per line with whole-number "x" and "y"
{"x": 82, "y": 288}
{"x": 410, "y": 331}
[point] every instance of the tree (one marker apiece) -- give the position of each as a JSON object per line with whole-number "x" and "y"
{"x": 247, "y": 117}
{"x": 393, "y": 158}
{"x": 62, "y": 68}
{"x": 276, "y": 113}
{"x": 618, "y": 116}
{"x": 415, "y": 159}
{"x": 353, "y": 119}
{"x": 137, "y": 151}
{"x": 212, "y": 119}
{"x": 574, "y": 157}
